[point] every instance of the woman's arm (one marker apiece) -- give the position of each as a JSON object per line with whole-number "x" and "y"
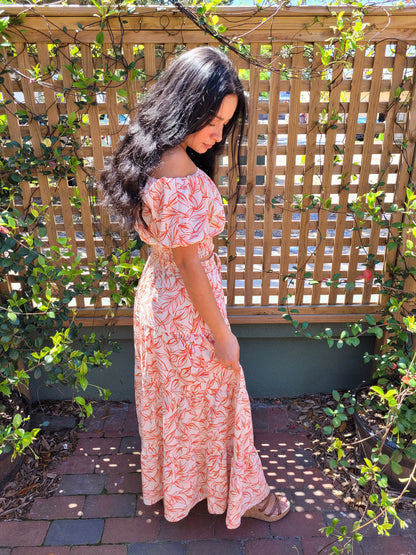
{"x": 199, "y": 289}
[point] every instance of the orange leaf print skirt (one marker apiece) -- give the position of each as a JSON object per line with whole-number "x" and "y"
{"x": 194, "y": 413}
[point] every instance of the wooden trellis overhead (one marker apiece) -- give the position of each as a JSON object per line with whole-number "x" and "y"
{"x": 291, "y": 156}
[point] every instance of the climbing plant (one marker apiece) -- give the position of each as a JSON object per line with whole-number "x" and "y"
{"x": 41, "y": 278}
{"x": 40, "y": 336}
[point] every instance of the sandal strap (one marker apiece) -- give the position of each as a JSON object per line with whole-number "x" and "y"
{"x": 262, "y": 507}
{"x": 276, "y": 502}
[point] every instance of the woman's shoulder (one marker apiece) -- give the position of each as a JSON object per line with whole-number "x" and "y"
{"x": 174, "y": 163}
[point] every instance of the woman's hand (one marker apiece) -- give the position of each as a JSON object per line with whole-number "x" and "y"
{"x": 227, "y": 350}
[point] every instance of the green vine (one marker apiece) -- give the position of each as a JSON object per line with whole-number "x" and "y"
{"x": 39, "y": 281}
{"x": 39, "y": 331}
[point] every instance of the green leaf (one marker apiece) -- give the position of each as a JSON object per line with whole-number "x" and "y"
{"x": 398, "y": 92}
{"x": 336, "y": 422}
{"x": 17, "y": 421}
{"x": 5, "y": 338}
{"x": 99, "y": 39}
{"x": 370, "y": 319}
{"x": 350, "y": 286}
{"x": 14, "y": 354}
{"x": 71, "y": 118}
{"x": 83, "y": 382}
{"x": 383, "y": 482}
{"x": 15, "y": 177}
{"x": 411, "y": 451}
{"x": 12, "y": 316}
{"x": 383, "y": 459}
{"x": 396, "y": 468}
{"x": 378, "y": 332}
{"x": 377, "y": 389}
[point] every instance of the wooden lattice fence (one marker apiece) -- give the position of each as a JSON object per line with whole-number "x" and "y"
{"x": 294, "y": 152}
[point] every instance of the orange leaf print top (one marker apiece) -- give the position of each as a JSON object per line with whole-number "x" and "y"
{"x": 193, "y": 412}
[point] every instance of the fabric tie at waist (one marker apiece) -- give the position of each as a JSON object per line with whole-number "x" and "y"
{"x": 217, "y": 259}
{"x": 207, "y": 257}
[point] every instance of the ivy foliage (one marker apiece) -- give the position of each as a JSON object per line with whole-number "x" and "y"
{"x": 38, "y": 328}
{"x": 41, "y": 279}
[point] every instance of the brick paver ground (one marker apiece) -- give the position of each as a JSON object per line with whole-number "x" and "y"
{"x": 98, "y": 508}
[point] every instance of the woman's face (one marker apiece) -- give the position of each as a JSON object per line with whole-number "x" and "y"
{"x": 206, "y": 137}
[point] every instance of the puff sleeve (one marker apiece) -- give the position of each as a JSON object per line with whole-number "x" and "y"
{"x": 181, "y": 211}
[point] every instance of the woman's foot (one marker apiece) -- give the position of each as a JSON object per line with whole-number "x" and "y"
{"x": 271, "y": 509}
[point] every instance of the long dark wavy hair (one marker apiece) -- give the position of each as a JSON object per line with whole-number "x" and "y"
{"x": 185, "y": 98}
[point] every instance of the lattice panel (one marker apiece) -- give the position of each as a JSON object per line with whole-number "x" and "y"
{"x": 74, "y": 210}
{"x": 289, "y": 156}
{"x": 277, "y": 248}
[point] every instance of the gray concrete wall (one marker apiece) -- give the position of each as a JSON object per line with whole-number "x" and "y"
{"x": 276, "y": 364}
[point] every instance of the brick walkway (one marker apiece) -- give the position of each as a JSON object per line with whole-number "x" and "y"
{"x": 98, "y": 509}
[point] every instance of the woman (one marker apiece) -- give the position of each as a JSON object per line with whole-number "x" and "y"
{"x": 193, "y": 408}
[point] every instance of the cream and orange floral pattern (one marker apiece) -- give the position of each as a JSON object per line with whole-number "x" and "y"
{"x": 194, "y": 413}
